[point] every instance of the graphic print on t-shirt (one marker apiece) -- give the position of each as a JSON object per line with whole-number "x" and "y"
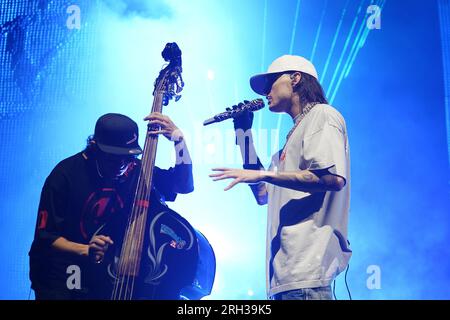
{"x": 98, "y": 209}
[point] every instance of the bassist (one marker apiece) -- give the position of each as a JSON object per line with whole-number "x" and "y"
{"x": 84, "y": 203}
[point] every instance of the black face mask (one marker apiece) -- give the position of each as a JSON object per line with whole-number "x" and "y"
{"x": 112, "y": 166}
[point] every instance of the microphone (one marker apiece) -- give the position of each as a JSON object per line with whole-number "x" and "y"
{"x": 236, "y": 110}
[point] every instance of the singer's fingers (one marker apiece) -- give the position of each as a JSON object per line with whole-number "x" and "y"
{"x": 213, "y": 175}
{"x": 232, "y": 184}
{"x": 220, "y": 169}
{"x": 223, "y": 177}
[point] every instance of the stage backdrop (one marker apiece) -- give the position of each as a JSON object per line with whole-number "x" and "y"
{"x": 384, "y": 65}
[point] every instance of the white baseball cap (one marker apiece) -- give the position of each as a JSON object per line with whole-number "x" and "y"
{"x": 262, "y": 83}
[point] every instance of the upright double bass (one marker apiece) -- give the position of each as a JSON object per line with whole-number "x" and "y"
{"x": 161, "y": 256}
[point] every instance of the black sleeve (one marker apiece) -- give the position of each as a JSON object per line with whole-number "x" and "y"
{"x": 52, "y": 207}
{"x": 170, "y": 182}
{"x": 164, "y": 183}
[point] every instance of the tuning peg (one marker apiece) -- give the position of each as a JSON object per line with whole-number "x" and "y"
{"x": 234, "y": 107}
{"x": 228, "y": 109}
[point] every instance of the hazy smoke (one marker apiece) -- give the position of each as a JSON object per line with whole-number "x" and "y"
{"x": 151, "y": 9}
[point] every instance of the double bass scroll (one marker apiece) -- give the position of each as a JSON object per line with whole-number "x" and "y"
{"x": 161, "y": 256}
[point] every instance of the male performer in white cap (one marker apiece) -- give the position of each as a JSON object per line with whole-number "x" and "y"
{"x": 306, "y": 188}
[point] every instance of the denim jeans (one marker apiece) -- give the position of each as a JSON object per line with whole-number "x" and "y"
{"x": 320, "y": 293}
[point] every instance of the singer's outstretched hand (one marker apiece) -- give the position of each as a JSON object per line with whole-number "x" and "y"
{"x": 239, "y": 176}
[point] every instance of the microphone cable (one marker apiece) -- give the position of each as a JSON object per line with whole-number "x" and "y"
{"x": 346, "y": 285}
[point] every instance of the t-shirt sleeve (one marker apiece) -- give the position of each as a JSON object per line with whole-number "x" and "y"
{"x": 51, "y": 212}
{"x": 164, "y": 182}
{"x": 327, "y": 148}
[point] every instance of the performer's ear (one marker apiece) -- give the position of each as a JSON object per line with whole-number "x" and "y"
{"x": 296, "y": 77}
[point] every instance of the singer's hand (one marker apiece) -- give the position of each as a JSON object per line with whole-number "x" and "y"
{"x": 244, "y": 121}
{"x": 239, "y": 176}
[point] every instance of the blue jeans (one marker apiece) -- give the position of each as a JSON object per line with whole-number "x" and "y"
{"x": 320, "y": 293}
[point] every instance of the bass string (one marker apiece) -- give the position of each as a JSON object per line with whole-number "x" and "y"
{"x": 131, "y": 247}
{"x": 128, "y": 243}
{"x": 147, "y": 191}
{"x": 126, "y": 250}
{"x": 141, "y": 217}
{"x": 125, "y": 254}
{"x": 137, "y": 223}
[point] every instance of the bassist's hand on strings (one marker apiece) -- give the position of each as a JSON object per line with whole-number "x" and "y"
{"x": 98, "y": 246}
{"x": 162, "y": 124}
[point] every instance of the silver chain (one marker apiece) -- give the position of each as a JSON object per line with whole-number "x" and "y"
{"x": 300, "y": 117}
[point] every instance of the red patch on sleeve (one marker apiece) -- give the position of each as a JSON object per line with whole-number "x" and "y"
{"x": 43, "y": 217}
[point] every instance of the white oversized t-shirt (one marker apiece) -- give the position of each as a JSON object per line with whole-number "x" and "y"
{"x": 307, "y": 232}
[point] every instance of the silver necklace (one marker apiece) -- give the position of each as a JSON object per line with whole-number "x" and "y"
{"x": 98, "y": 169}
{"x": 300, "y": 117}
{"x": 297, "y": 121}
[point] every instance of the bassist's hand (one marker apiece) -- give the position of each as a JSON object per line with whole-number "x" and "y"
{"x": 98, "y": 246}
{"x": 162, "y": 124}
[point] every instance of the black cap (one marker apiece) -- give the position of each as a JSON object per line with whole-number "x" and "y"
{"x": 117, "y": 134}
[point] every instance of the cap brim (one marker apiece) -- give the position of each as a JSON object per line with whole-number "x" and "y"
{"x": 262, "y": 83}
{"x": 119, "y": 151}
